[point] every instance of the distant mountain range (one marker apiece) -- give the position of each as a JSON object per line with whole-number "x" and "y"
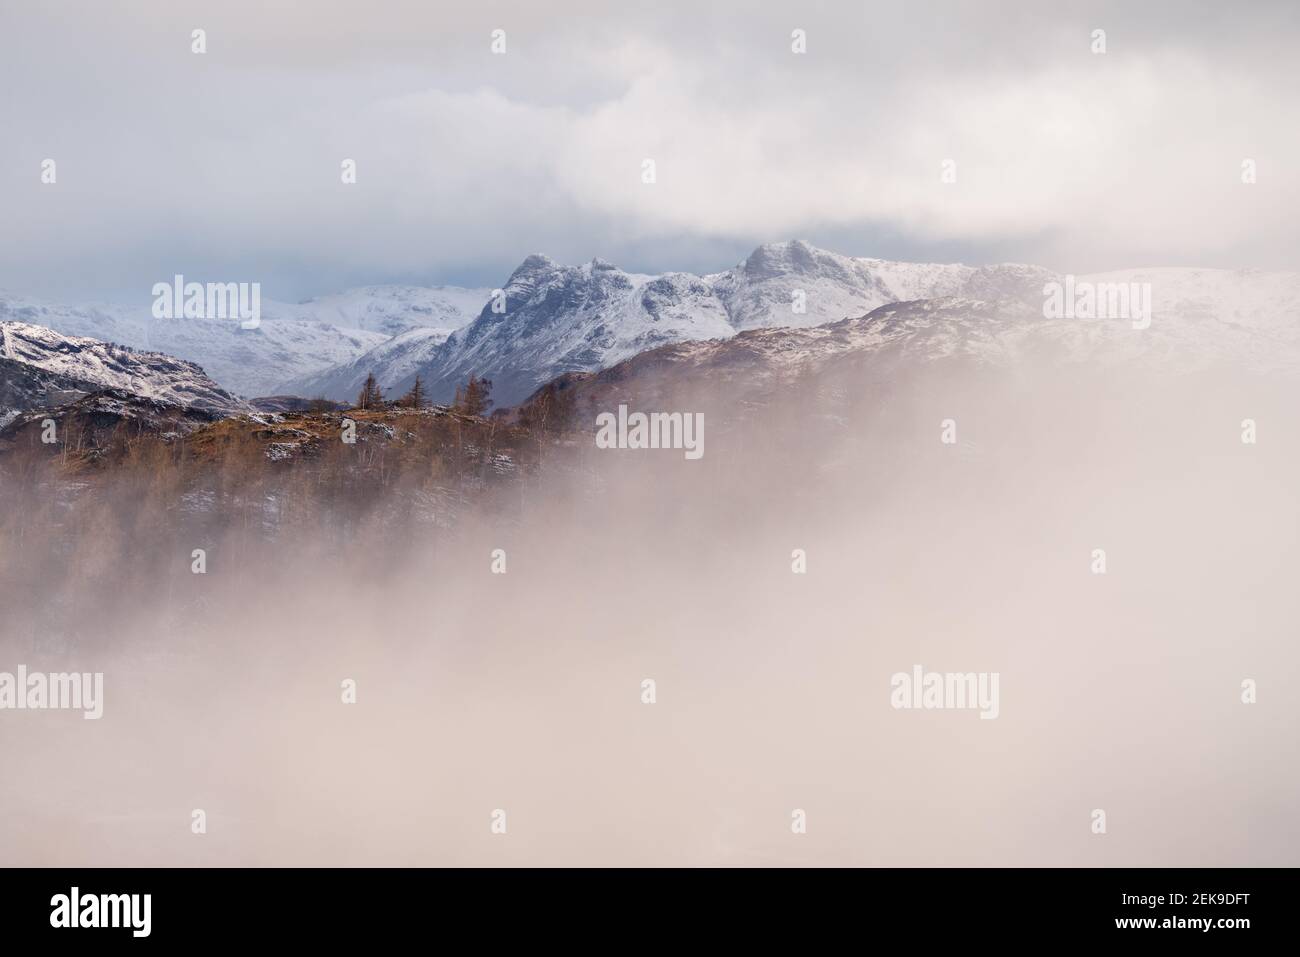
{"x": 559, "y": 319}
{"x": 787, "y": 302}
{"x": 293, "y": 341}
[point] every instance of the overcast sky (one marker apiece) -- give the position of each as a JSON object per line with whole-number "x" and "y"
{"x": 226, "y": 165}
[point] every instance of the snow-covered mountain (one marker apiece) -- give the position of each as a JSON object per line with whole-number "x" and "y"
{"x": 394, "y": 360}
{"x": 558, "y": 318}
{"x": 795, "y": 285}
{"x": 583, "y": 319}
{"x": 1202, "y": 320}
{"x": 41, "y": 368}
{"x": 389, "y": 310}
{"x": 247, "y": 361}
{"x": 1219, "y": 300}
{"x": 294, "y": 341}
{"x": 561, "y": 319}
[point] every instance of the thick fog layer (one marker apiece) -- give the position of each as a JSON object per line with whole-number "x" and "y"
{"x": 829, "y": 538}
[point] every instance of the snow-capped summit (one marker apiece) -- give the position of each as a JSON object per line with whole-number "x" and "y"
{"x": 534, "y": 262}
{"x": 796, "y": 284}
{"x": 558, "y": 318}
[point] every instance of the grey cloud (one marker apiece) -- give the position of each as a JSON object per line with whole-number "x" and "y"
{"x": 227, "y": 164}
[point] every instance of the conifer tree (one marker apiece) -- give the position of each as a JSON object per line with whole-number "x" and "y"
{"x": 415, "y": 398}
{"x": 475, "y": 400}
{"x": 372, "y": 396}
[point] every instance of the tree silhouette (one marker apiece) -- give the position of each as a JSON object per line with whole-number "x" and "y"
{"x": 372, "y": 396}
{"x": 415, "y": 397}
{"x": 474, "y": 399}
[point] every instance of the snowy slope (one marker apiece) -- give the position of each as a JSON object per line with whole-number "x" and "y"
{"x": 389, "y": 310}
{"x": 293, "y": 343}
{"x": 40, "y": 367}
{"x": 559, "y": 318}
{"x": 1215, "y": 299}
{"x": 246, "y": 361}
{"x": 395, "y": 361}
{"x": 1199, "y": 324}
{"x": 760, "y": 292}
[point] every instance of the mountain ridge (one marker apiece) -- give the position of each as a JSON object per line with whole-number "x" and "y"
{"x": 41, "y": 368}
{"x": 293, "y": 340}
{"x": 550, "y": 319}
{"x": 554, "y": 318}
